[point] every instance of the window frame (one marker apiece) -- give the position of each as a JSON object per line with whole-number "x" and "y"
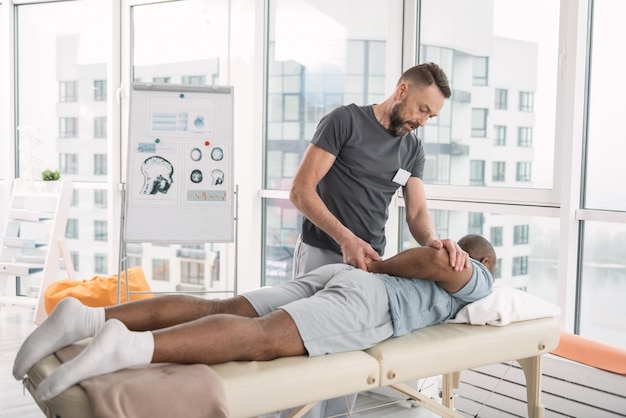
{"x": 561, "y": 201}
{"x": 498, "y": 171}
{"x": 526, "y": 101}
{"x": 68, "y": 127}
{"x": 100, "y": 91}
{"x": 100, "y": 127}
{"x": 68, "y": 95}
{"x": 501, "y": 101}
{"x": 499, "y": 136}
{"x": 480, "y": 73}
{"x": 480, "y": 118}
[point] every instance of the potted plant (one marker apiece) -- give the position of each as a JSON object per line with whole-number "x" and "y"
{"x": 50, "y": 181}
{"x": 50, "y": 175}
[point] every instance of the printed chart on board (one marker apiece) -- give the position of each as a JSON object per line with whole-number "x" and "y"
{"x": 180, "y": 156}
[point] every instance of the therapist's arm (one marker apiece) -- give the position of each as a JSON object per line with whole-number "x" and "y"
{"x": 422, "y": 227}
{"x": 314, "y": 165}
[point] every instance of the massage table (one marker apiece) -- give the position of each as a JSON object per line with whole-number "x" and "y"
{"x": 255, "y": 388}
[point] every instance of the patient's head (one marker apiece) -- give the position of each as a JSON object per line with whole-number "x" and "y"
{"x": 481, "y": 250}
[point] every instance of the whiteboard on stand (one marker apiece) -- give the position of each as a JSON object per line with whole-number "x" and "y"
{"x": 179, "y": 178}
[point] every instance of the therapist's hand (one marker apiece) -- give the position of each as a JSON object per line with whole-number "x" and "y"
{"x": 355, "y": 250}
{"x": 459, "y": 259}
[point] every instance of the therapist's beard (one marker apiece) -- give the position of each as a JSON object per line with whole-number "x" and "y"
{"x": 396, "y": 122}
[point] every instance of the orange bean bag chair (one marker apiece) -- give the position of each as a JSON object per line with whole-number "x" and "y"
{"x": 592, "y": 353}
{"x": 99, "y": 290}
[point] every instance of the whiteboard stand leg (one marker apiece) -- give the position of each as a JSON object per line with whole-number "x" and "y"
{"x": 236, "y": 238}
{"x": 122, "y": 250}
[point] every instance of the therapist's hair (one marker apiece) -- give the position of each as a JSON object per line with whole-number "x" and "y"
{"x": 425, "y": 75}
{"x": 478, "y": 248}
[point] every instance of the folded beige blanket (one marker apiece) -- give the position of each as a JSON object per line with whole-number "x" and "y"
{"x": 157, "y": 390}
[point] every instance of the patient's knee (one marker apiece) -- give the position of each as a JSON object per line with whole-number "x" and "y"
{"x": 279, "y": 336}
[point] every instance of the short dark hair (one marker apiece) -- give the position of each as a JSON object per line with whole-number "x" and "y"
{"x": 427, "y": 74}
{"x": 478, "y": 248}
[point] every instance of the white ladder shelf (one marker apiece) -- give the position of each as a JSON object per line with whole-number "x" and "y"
{"x": 33, "y": 250}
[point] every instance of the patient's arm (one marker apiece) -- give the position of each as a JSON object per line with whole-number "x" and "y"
{"x": 423, "y": 263}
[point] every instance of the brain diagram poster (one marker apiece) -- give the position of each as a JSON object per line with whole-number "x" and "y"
{"x": 179, "y": 174}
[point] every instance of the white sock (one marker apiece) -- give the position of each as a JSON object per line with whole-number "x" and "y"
{"x": 113, "y": 348}
{"x": 69, "y": 322}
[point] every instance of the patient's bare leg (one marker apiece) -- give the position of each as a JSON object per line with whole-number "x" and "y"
{"x": 71, "y": 321}
{"x": 219, "y": 338}
{"x": 211, "y": 339}
{"x": 165, "y": 311}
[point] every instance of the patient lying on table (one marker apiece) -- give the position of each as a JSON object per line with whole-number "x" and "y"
{"x": 332, "y": 309}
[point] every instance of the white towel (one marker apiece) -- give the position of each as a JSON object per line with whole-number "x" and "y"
{"x": 503, "y": 306}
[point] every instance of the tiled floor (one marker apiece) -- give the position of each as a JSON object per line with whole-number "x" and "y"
{"x": 16, "y": 323}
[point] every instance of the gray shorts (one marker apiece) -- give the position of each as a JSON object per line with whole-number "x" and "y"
{"x": 307, "y": 257}
{"x": 335, "y": 308}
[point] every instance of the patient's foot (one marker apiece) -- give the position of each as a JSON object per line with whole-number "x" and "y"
{"x": 113, "y": 348}
{"x": 70, "y": 321}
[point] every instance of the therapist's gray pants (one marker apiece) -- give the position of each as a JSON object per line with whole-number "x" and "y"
{"x": 305, "y": 259}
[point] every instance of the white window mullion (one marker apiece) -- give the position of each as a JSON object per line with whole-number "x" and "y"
{"x": 7, "y": 77}
{"x": 569, "y": 137}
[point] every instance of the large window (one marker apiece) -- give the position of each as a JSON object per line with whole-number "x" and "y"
{"x": 64, "y": 113}
{"x": 180, "y": 41}
{"x": 64, "y": 50}
{"x": 603, "y": 283}
{"x": 606, "y": 110}
{"x": 307, "y": 76}
{"x": 185, "y": 42}
{"x": 603, "y": 277}
{"x": 504, "y": 60}
{"x": 4, "y": 145}
{"x": 290, "y": 63}
{"x": 529, "y": 267}
{"x": 72, "y": 39}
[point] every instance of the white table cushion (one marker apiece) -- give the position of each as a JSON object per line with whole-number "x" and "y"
{"x": 254, "y": 388}
{"x": 447, "y": 348}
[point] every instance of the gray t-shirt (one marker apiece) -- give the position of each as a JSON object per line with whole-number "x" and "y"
{"x": 416, "y": 304}
{"x": 359, "y": 186}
